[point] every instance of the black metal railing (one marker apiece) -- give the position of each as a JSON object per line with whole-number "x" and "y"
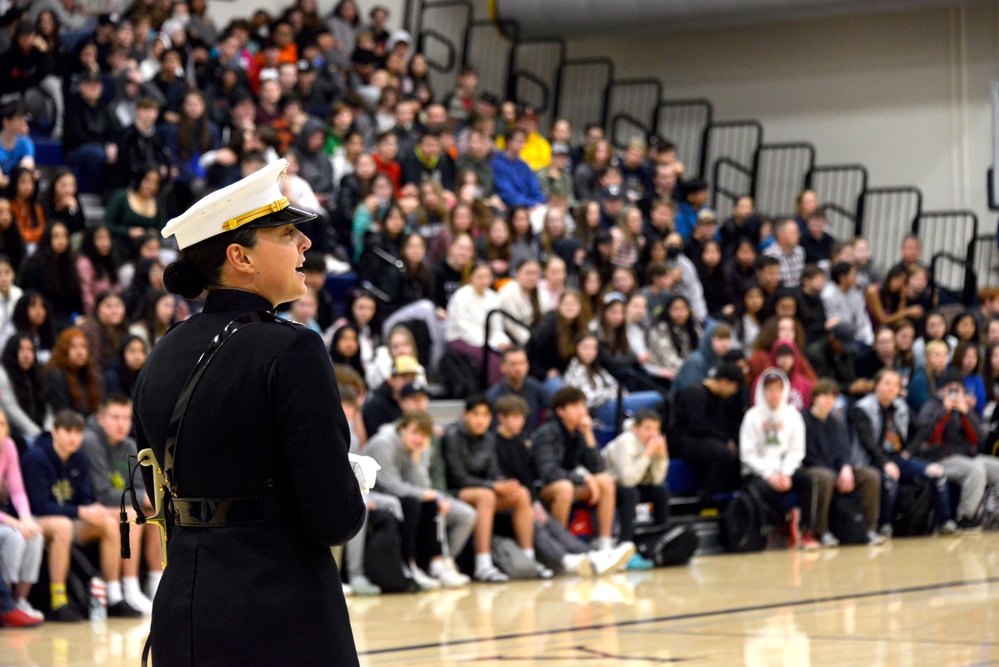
{"x": 780, "y": 172}
{"x": 685, "y": 123}
{"x": 840, "y": 188}
{"x": 486, "y": 350}
{"x": 732, "y": 147}
{"x": 638, "y": 100}
{"x": 441, "y": 38}
{"x": 730, "y": 154}
{"x": 952, "y": 232}
{"x": 945, "y": 267}
{"x": 534, "y": 68}
{"x": 581, "y": 92}
{"x": 489, "y": 53}
{"x": 888, "y": 215}
{"x": 986, "y": 263}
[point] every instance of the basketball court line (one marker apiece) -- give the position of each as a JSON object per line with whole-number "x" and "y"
{"x": 685, "y": 617}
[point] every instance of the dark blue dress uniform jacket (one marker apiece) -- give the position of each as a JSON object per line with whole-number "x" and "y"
{"x": 266, "y": 413}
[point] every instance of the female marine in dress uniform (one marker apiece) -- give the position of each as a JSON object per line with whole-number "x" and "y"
{"x": 254, "y": 448}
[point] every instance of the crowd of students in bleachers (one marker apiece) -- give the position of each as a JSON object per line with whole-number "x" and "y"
{"x": 763, "y": 353}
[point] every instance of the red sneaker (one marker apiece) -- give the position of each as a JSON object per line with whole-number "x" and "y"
{"x": 808, "y": 541}
{"x": 18, "y": 619}
{"x": 794, "y": 532}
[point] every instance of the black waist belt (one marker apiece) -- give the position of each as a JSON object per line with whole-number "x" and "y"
{"x": 219, "y": 512}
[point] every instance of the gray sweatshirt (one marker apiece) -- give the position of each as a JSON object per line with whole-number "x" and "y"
{"x": 400, "y": 476}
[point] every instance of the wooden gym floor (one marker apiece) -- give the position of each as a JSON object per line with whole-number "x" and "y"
{"x": 924, "y": 601}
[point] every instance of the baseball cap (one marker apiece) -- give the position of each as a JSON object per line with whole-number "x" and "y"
{"x": 413, "y": 389}
{"x": 405, "y": 364}
{"x": 846, "y": 335}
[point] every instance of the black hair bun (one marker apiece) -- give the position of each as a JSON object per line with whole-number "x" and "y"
{"x": 183, "y": 278}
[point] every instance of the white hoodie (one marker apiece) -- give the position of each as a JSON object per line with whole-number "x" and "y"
{"x": 771, "y": 441}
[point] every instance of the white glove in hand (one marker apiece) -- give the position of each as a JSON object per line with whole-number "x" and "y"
{"x": 365, "y": 469}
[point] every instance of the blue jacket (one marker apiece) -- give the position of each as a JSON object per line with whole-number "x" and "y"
{"x": 54, "y": 486}
{"x": 685, "y": 220}
{"x": 515, "y": 183}
{"x": 697, "y": 366}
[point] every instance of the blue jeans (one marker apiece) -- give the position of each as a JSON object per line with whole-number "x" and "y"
{"x": 639, "y": 400}
{"x": 87, "y": 162}
{"x": 552, "y": 385}
{"x": 911, "y": 470}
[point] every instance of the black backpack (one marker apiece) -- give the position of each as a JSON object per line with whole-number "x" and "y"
{"x": 913, "y": 510}
{"x": 846, "y": 518}
{"x": 744, "y": 523}
{"x": 667, "y": 545}
{"x": 383, "y": 553}
{"x": 460, "y": 374}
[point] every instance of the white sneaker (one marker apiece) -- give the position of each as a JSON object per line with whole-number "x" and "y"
{"x": 612, "y": 560}
{"x": 452, "y": 579}
{"x": 134, "y": 597}
{"x": 26, "y": 608}
{"x": 348, "y": 590}
{"x": 423, "y": 580}
{"x": 451, "y": 566}
{"x": 543, "y": 572}
{"x": 578, "y": 564}
{"x": 361, "y": 585}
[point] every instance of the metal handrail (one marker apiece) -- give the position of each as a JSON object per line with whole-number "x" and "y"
{"x": 507, "y": 317}
{"x": 641, "y": 379}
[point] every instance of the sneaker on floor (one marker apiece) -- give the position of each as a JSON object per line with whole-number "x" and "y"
{"x": 491, "y": 575}
{"x": 26, "y": 607}
{"x": 124, "y": 610}
{"x": 453, "y": 579}
{"x": 639, "y": 562}
{"x": 875, "y": 539}
{"x": 137, "y": 600}
{"x": 361, "y": 585}
{"x": 969, "y": 526}
{"x": 577, "y": 564}
{"x": 446, "y": 570}
{"x": 808, "y": 541}
{"x": 423, "y": 580}
{"x": 828, "y": 541}
{"x": 948, "y": 529}
{"x": 16, "y": 618}
{"x": 613, "y": 559}
{"x": 543, "y": 572}
{"x": 65, "y": 614}
{"x": 348, "y": 590}
{"x": 886, "y": 531}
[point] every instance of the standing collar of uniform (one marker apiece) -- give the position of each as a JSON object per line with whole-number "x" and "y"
{"x": 235, "y": 300}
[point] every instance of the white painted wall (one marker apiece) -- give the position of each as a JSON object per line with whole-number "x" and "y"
{"x": 905, "y": 94}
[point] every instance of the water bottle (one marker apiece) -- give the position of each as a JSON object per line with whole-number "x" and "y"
{"x": 98, "y": 600}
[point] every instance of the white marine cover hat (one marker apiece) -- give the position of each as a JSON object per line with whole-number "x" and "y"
{"x": 255, "y": 201}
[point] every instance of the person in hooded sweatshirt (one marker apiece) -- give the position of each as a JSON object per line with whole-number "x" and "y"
{"x": 314, "y": 165}
{"x": 715, "y": 342}
{"x": 786, "y": 356}
{"x": 772, "y": 448}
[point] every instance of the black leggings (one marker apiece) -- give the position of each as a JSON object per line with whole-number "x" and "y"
{"x": 801, "y": 483}
{"x": 419, "y": 531}
{"x": 628, "y": 497}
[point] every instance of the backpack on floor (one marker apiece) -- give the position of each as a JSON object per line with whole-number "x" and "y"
{"x": 383, "y": 553}
{"x": 846, "y": 518}
{"x": 744, "y": 523}
{"x": 460, "y": 374}
{"x": 913, "y": 510}
{"x": 511, "y": 559}
{"x": 990, "y": 509}
{"x": 667, "y": 544}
